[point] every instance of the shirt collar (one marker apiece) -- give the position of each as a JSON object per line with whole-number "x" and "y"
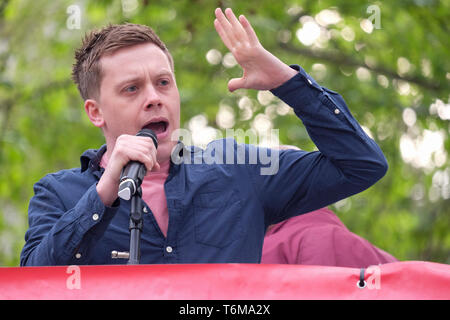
{"x": 91, "y": 158}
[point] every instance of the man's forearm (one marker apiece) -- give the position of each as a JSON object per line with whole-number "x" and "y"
{"x": 347, "y": 163}
{"x": 331, "y": 126}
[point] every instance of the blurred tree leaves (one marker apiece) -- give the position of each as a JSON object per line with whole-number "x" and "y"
{"x": 395, "y": 79}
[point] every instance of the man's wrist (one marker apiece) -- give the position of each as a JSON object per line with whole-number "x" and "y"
{"x": 286, "y": 73}
{"x": 107, "y": 191}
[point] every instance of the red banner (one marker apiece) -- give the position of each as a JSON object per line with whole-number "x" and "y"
{"x": 400, "y": 280}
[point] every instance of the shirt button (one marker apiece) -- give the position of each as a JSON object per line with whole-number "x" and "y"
{"x": 95, "y": 217}
{"x": 169, "y": 249}
{"x": 145, "y": 209}
{"x": 337, "y": 111}
{"x": 78, "y": 255}
{"x": 309, "y": 81}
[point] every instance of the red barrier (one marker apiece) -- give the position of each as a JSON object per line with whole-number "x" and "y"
{"x": 400, "y": 280}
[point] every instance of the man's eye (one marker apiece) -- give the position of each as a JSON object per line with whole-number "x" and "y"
{"x": 164, "y": 82}
{"x": 131, "y": 89}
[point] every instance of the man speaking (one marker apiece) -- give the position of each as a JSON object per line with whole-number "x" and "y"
{"x": 196, "y": 211}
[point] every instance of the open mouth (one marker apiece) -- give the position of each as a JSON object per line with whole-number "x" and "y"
{"x": 158, "y": 127}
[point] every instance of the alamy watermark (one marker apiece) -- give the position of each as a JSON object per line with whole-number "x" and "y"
{"x": 74, "y": 19}
{"x": 73, "y": 281}
{"x": 375, "y": 17}
{"x": 228, "y": 151}
{"x": 373, "y": 280}
{"x": 73, "y": 22}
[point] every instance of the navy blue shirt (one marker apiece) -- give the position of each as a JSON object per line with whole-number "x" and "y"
{"x": 220, "y": 200}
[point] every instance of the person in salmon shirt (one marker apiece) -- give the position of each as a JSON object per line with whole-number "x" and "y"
{"x": 319, "y": 238}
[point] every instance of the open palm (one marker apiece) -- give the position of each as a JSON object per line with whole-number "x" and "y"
{"x": 261, "y": 69}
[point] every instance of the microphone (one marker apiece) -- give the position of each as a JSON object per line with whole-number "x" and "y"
{"x": 134, "y": 172}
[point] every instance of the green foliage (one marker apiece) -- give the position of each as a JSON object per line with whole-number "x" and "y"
{"x": 395, "y": 79}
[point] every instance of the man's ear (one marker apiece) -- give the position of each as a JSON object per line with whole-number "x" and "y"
{"x": 94, "y": 112}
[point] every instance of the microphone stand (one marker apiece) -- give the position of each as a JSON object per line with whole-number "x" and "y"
{"x": 136, "y": 224}
{"x": 135, "y": 227}
{"x": 132, "y": 175}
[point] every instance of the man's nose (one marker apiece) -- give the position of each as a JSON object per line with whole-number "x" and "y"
{"x": 153, "y": 97}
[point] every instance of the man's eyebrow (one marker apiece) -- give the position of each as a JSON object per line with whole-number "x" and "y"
{"x": 127, "y": 80}
{"x": 140, "y": 78}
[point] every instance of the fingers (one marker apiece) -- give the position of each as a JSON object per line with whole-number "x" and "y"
{"x": 222, "y": 34}
{"x": 127, "y": 148}
{"x": 248, "y": 29}
{"x": 236, "y": 26}
{"x": 236, "y": 83}
{"x": 133, "y": 148}
{"x": 240, "y": 38}
{"x": 224, "y": 29}
{"x": 145, "y": 153}
{"x": 231, "y": 30}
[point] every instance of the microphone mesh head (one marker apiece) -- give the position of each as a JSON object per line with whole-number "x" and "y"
{"x": 149, "y": 133}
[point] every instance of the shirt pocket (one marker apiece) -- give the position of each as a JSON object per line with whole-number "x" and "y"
{"x": 217, "y": 218}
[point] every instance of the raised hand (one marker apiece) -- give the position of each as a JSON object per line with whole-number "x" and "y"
{"x": 261, "y": 69}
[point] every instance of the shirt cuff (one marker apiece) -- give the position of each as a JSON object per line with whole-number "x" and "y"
{"x": 303, "y": 76}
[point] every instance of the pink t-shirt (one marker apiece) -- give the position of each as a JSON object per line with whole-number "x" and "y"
{"x": 320, "y": 238}
{"x": 153, "y": 193}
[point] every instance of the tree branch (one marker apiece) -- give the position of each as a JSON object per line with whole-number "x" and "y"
{"x": 341, "y": 59}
